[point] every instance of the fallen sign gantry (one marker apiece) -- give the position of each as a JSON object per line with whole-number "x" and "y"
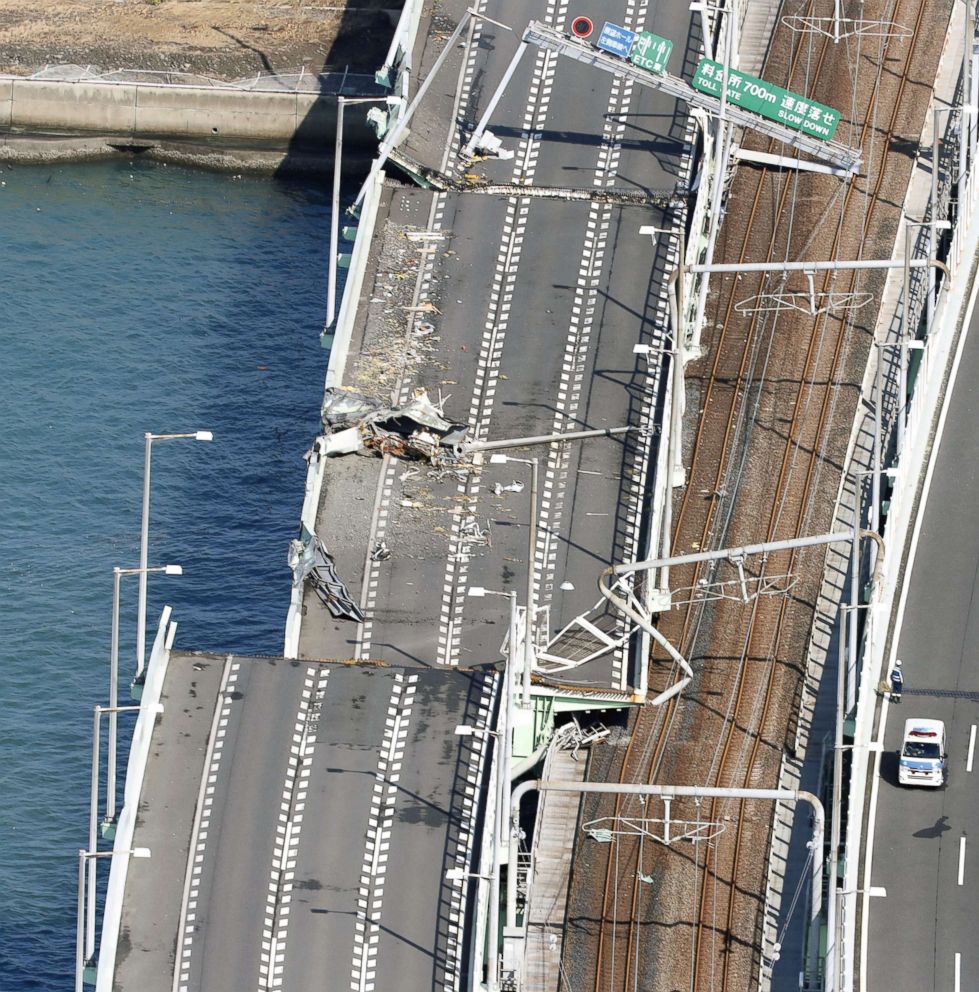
{"x": 536, "y": 33}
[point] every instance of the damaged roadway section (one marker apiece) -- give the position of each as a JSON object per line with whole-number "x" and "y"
{"x": 494, "y": 316}
{"x": 411, "y": 519}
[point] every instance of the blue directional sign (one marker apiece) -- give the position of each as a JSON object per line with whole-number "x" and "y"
{"x": 616, "y": 39}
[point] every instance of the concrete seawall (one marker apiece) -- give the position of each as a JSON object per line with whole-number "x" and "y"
{"x": 42, "y": 119}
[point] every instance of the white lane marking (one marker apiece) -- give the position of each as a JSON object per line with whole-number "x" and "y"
{"x": 378, "y": 835}
{"x": 422, "y": 294}
{"x": 576, "y": 357}
{"x": 972, "y": 748}
{"x": 961, "y": 859}
{"x": 205, "y": 804}
{"x": 286, "y": 848}
{"x": 958, "y": 972}
{"x": 462, "y": 855}
{"x": 495, "y": 328}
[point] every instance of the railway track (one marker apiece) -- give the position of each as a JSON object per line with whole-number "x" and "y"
{"x": 748, "y": 653}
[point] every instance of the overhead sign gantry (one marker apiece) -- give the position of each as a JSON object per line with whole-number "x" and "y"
{"x": 790, "y": 127}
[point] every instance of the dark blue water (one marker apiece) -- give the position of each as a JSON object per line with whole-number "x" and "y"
{"x": 135, "y": 298}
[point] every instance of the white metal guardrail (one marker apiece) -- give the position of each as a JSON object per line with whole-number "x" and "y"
{"x": 156, "y": 670}
{"x": 339, "y": 351}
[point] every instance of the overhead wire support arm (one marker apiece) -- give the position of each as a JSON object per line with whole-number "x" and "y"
{"x": 514, "y": 936}
{"x": 553, "y": 40}
{"x": 610, "y": 578}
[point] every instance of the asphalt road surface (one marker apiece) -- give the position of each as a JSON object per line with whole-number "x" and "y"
{"x": 540, "y": 305}
{"x": 335, "y": 798}
{"x": 926, "y": 847}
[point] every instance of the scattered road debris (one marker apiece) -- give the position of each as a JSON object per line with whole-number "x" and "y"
{"x": 416, "y": 429}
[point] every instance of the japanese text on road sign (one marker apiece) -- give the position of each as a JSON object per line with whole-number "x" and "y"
{"x": 768, "y": 100}
{"x": 649, "y": 51}
{"x": 616, "y": 39}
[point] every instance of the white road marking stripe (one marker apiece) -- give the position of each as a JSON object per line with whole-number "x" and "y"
{"x": 961, "y": 859}
{"x": 286, "y": 846}
{"x": 972, "y": 748}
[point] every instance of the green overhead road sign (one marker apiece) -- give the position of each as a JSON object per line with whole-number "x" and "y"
{"x": 768, "y": 100}
{"x": 650, "y": 51}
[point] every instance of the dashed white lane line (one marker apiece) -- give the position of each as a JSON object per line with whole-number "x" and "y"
{"x": 422, "y": 295}
{"x": 462, "y": 855}
{"x": 961, "y": 859}
{"x": 491, "y": 345}
{"x": 286, "y": 849}
{"x": 972, "y": 748}
{"x": 958, "y": 972}
{"x": 578, "y": 341}
{"x": 370, "y": 898}
{"x": 204, "y": 811}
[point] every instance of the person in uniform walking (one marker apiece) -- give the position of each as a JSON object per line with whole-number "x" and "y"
{"x": 897, "y": 682}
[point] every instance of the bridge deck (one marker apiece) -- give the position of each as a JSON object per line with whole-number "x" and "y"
{"x": 315, "y": 779}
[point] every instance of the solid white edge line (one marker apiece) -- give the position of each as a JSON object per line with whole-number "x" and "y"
{"x": 972, "y": 748}
{"x": 869, "y": 856}
{"x": 909, "y": 567}
{"x": 961, "y": 858}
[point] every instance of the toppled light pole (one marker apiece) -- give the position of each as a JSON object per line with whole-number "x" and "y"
{"x": 397, "y": 132}
{"x": 470, "y": 447}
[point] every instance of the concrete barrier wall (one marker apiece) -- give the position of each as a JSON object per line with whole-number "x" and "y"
{"x": 137, "y": 112}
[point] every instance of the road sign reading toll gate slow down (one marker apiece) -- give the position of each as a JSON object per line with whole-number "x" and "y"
{"x": 768, "y": 100}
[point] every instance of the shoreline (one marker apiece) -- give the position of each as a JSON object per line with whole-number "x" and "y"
{"x": 38, "y": 150}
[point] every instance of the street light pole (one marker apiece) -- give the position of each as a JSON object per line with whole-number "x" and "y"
{"x": 528, "y": 645}
{"x": 331, "y": 290}
{"x": 80, "y": 950}
{"x": 97, "y": 715}
{"x": 144, "y": 539}
{"x": 117, "y": 574}
{"x": 504, "y": 741}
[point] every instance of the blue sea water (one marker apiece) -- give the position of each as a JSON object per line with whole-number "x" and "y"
{"x": 136, "y": 297}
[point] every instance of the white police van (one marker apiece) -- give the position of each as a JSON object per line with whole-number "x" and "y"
{"x": 922, "y": 757}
